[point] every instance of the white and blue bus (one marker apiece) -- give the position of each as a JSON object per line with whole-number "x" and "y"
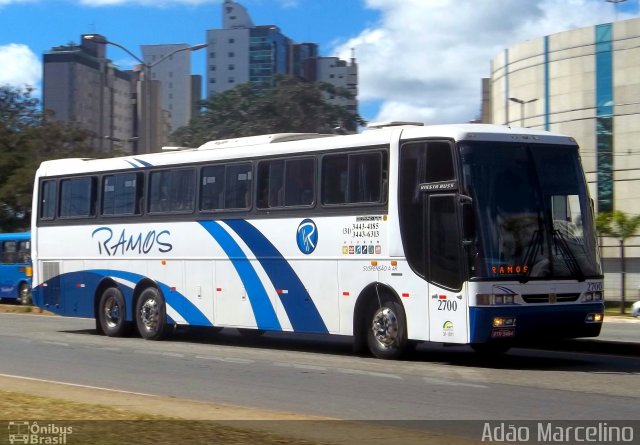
{"x": 460, "y": 234}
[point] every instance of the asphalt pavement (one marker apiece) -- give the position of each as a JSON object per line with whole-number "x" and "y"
{"x": 620, "y": 335}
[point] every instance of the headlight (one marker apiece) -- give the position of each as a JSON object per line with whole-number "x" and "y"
{"x": 502, "y": 322}
{"x": 594, "y": 318}
{"x": 592, "y": 296}
{"x": 495, "y": 299}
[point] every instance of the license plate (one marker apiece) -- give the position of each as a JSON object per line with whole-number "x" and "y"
{"x": 503, "y": 333}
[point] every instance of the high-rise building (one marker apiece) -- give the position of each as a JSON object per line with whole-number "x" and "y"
{"x": 174, "y": 75}
{"x": 81, "y": 85}
{"x": 242, "y": 52}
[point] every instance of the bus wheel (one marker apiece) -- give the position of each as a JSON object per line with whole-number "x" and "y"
{"x": 250, "y": 332}
{"x": 151, "y": 314}
{"x": 387, "y": 333}
{"x": 491, "y": 349}
{"x": 112, "y": 313}
{"x": 24, "y": 294}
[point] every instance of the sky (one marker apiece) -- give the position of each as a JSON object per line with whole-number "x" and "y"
{"x": 418, "y": 60}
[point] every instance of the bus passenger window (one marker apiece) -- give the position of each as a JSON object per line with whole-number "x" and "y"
{"x": 77, "y": 197}
{"x": 300, "y": 182}
{"x": 238, "y": 187}
{"x": 271, "y": 184}
{"x": 334, "y": 179}
{"x": 48, "y": 200}
{"x": 172, "y": 191}
{"x": 354, "y": 178}
{"x": 212, "y": 188}
{"x": 121, "y": 194}
{"x": 9, "y": 252}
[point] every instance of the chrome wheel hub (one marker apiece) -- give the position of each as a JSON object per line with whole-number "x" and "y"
{"x": 385, "y": 327}
{"x": 112, "y": 312}
{"x": 149, "y": 314}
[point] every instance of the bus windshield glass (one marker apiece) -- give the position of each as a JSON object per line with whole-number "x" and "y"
{"x": 532, "y": 210}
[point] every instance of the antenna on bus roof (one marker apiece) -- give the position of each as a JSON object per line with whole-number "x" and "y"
{"x": 377, "y": 125}
{"x": 259, "y": 140}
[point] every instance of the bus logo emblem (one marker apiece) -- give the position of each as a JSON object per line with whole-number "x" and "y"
{"x": 307, "y": 236}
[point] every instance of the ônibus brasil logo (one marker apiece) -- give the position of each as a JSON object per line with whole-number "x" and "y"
{"x": 307, "y": 236}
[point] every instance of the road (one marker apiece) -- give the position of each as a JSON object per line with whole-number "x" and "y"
{"x": 317, "y": 376}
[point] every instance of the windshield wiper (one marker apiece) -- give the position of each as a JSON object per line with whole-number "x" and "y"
{"x": 567, "y": 255}
{"x": 532, "y": 253}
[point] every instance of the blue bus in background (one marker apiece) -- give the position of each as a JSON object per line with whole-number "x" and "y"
{"x": 15, "y": 267}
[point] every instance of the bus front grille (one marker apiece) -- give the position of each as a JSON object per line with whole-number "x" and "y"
{"x": 547, "y": 298}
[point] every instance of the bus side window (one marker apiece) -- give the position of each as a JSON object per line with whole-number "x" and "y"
{"x": 172, "y": 191}
{"x": 9, "y": 252}
{"x": 335, "y": 174}
{"x": 270, "y": 184}
{"x": 355, "y": 178}
{"x": 121, "y": 194}
{"x": 300, "y": 182}
{"x": 48, "y": 200}
{"x": 77, "y": 197}
{"x": 212, "y": 188}
{"x": 238, "y": 187}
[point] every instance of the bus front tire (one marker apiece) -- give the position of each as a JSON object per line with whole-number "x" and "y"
{"x": 112, "y": 313}
{"x": 151, "y": 315}
{"x": 386, "y": 330}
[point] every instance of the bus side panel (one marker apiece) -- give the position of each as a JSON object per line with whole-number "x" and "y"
{"x": 352, "y": 281}
{"x": 448, "y": 315}
{"x": 198, "y": 286}
{"x": 232, "y": 305}
{"x": 321, "y": 290}
{"x": 412, "y": 291}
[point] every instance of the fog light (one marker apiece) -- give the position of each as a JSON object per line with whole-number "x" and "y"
{"x": 501, "y": 322}
{"x": 594, "y": 318}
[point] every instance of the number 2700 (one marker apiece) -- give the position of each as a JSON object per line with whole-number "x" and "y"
{"x": 447, "y": 305}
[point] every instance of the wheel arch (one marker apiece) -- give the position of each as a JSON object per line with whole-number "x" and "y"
{"x": 373, "y": 293}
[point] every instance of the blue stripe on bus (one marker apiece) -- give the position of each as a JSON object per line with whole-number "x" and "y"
{"x": 132, "y": 164}
{"x": 144, "y": 163}
{"x": 299, "y": 306}
{"x": 263, "y": 311}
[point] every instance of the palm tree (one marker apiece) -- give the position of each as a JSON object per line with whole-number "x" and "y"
{"x": 621, "y": 226}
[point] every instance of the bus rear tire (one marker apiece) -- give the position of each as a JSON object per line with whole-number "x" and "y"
{"x": 24, "y": 294}
{"x": 386, "y": 330}
{"x": 112, "y": 313}
{"x": 151, "y": 318}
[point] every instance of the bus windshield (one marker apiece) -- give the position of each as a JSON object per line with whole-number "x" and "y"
{"x": 533, "y": 214}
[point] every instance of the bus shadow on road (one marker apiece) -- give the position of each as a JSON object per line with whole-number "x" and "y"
{"x": 555, "y": 357}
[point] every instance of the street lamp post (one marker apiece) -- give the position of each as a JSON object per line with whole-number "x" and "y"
{"x": 522, "y": 104}
{"x": 146, "y": 85}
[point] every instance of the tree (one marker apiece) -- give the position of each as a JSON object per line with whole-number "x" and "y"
{"x": 621, "y": 226}
{"x": 28, "y": 137}
{"x": 290, "y": 106}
